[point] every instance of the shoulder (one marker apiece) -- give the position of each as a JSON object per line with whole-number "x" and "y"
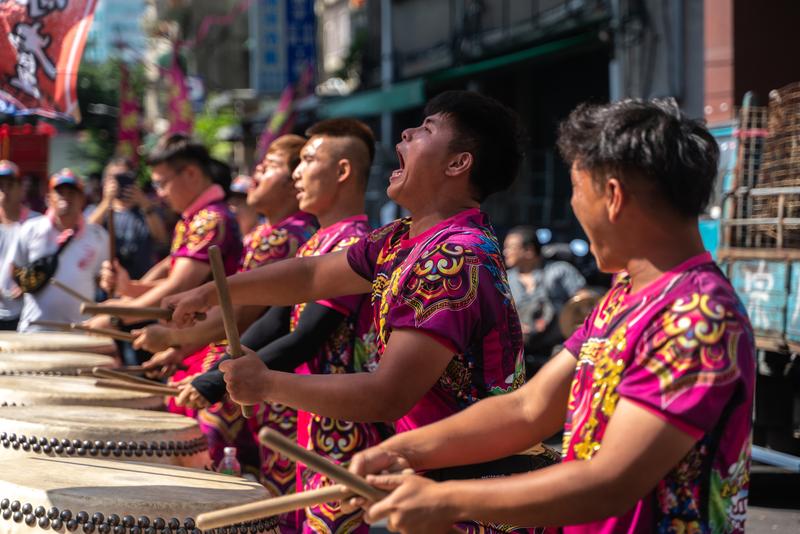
{"x": 389, "y": 231}
{"x": 95, "y": 230}
{"x": 36, "y": 226}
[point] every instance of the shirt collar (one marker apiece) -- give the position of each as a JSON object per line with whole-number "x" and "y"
{"x": 65, "y": 232}
{"x": 212, "y": 194}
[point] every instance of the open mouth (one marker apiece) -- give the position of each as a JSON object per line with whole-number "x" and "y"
{"x": 398, "y": 172}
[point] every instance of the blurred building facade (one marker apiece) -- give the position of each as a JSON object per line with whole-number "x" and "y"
{"x": 116, "y": 30}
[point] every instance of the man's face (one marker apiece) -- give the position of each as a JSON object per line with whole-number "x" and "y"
{"x": 10, "y": 189}
{"x": 169, "y": 185}
{"x": 273, "y": 180}
{"x": 66, "y": 201}
{"x": 316, "y": 177}
{"x": 589, "y": 205}
{"x": 512, "y": 250}
{"x": 423, "y": 154}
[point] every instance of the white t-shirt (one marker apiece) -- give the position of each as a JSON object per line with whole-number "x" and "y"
{"x": 78, "y": 267}
{"x": 9, "y": 234}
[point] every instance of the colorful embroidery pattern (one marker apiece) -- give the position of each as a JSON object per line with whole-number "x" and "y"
{"x": 212, "y": 225}
{"x": 682, "y": 347}
{"x": 448, "y": 282}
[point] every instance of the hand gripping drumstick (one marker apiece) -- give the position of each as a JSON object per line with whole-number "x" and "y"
{"x": 142, "y": 312}
{"x": 271, "y": 507}
{"x": 130, "y": 386}
{"x": 335, "y": 472}
{"x": 225, "y": 305}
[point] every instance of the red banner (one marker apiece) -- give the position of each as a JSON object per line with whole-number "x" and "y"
{"x": 40, "y": 58}
{"x": 179, "y": 108}
{"x": 128, "y": 132}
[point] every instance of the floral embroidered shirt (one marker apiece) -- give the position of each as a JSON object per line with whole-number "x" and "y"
{"x": 683, "y": 349}
{"x": 449, "y": 283}
{"x": 208, "y": 221}
{"x": 268, "y": 243}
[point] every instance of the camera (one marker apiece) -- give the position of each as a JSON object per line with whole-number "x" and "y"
{"x": 124, "y": 180}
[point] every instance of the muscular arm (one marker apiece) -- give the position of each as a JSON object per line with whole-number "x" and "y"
{"x": 409, "y": 367}
{"x": 185, "y": 274}
{"x": 283, "y": 283}
{"x": 638, "y": 449}
{"x": 525, "y": 417}
{"x": 158, "y": 271}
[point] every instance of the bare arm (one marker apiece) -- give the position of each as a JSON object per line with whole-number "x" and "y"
{"x": 185, "y": 274}
{"x": 638, "y": 449}
{"x": 410, "y": 366}
{"x": 159, "y": 271}
{"x": 283, "y": 283}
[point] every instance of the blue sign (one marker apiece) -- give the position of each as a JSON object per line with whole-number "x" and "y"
{"x": 284, "y": 39}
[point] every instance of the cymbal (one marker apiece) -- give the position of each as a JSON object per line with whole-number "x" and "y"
{"x": 576, "y": 310}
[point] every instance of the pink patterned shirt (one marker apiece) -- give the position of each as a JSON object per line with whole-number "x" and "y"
{"x": 683, "y": 349}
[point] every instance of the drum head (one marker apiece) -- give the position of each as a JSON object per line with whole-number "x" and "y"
{"x": 55, "y": 341}
{"x": 51, "y": 363}
{"x": 92, "y": 431}
{"x": 71, "y": 390}
{"x": 138, "y": 494}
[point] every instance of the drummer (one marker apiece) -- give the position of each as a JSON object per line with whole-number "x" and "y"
{"x": 274, "y": 196}
{"x": 324, "y": 337}
{"x": 657, "y": 384}
{"x": 447, "y": 331}
{"x": 180, "y": 175}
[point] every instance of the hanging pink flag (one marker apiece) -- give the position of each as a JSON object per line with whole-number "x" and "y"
{"x": 128, "y": 130}
{"x": 179, "y": 112}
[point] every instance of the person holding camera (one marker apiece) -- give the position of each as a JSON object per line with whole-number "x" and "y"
{"x": 138, "y": 224}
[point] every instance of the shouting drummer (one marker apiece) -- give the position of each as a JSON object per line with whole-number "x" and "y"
{"x": 654, "y": 392}
{"x": 447, "y": 333}
{"x": 273, "y": 196}
{"x": 181, "y": 175}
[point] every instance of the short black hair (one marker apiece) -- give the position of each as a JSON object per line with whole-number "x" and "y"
{"x": 345, "y": 127}
{"x": 487, "y": 129}
{"x": 644, "y": 139}
{"x": 528, "y": 237}
{"x": 178, "y": 150}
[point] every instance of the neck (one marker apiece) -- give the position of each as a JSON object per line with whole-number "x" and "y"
{"x": 64, "y": 222}
{"x": 661, "y": 250}
{"x": 525, "y": 267}
{"x": 343, "y": 208}
{"x": 426, "y": 217}
{"x": 276, "y": 214}
{"x": 10, "y": 213}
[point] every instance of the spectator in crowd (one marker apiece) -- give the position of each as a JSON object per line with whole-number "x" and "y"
{"x": 246, "y": 215}
{"x": 138, "y": 224}
{"x": 540, "y": 290}
{"x": 12, "y": 214}
{"x": 80, "y": 249}
{"x": 93, "y": 190}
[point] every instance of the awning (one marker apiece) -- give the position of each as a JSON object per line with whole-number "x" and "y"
{"x": 400, "y": 96}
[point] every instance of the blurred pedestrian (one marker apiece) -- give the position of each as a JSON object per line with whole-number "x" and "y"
{"x": 12, "y": 214}
{"x": 60, "y": 245}
{"x": 138, "y": 224}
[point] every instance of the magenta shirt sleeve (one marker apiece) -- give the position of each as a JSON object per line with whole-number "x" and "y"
{"x": 363, "y": 256}
{"x": 206, "y": 228}
{"x": 685, "y": 367}
{"x": 348, "y": 304}
{"x": 450, "y": 295}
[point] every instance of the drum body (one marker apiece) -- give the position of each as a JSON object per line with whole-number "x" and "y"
{"x": 98, "y": 432}
{"x": 71, "y": 390}
{"x": 45, "y": 495}
{"x": 56, "y": 341}
{"x": 51, "y": 363}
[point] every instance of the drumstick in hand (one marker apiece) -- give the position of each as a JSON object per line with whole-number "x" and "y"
{"x": 144, "y": 388}
{"x": 225, "y": 305}
{"x": 69, "y": 327}
{"x": 113, "y": 374}
{"x": 335, "y": 472}
{"x": 272, "y": 507}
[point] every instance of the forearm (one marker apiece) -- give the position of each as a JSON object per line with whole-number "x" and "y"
{"x": 159, "y": 271}
{"x": 546, "y": 497}
{"x": 137, "y": 288}
{"x": 98, "y": 216}
{"x": 202, "y": 333}
{"x": 351, "y": 397}
{"x": 156, "y": 226}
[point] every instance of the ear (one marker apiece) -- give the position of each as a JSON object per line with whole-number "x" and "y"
{"x": 344, "y": 169}
{"x": 458, "y": 164}
{"x": 615, "y": 198}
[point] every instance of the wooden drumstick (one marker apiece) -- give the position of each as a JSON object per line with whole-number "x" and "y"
{"x": 225, "y": 305}
{"x": 112, "y": 239}
{"x": 71, "y": 292}
{"x": 103, "y": 372}
{"x": 142, "y": 312}
{"x": 69, "y": 327}
{"x": 335, "y": 472}
{"x": 130, "y": 386}
{"x": 271, "y": 507}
